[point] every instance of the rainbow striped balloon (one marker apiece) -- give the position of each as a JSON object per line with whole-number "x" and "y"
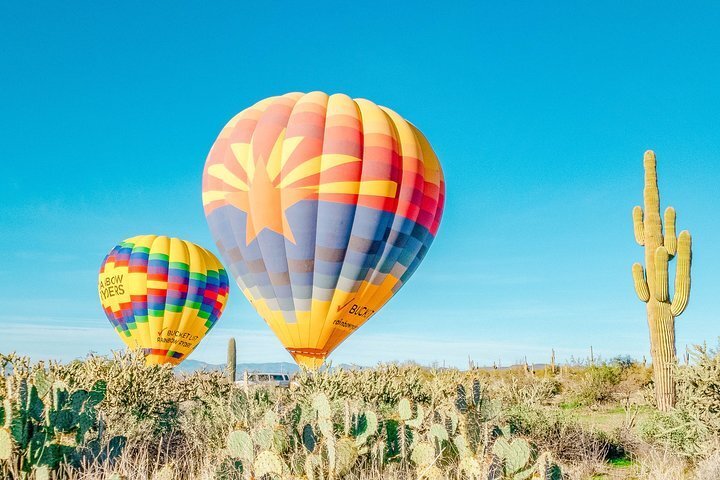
{"x": 322, "y": 207}
{"x": 162, "y": 295}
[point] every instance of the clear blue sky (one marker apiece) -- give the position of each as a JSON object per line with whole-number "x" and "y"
{"x": 539, "y": 111}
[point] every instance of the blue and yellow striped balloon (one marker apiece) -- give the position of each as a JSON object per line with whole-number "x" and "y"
{"x": 162, "y": 295}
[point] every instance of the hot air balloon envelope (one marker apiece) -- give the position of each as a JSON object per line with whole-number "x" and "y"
{"x": 322, "y": 207}
{"x": 162, "y": 295}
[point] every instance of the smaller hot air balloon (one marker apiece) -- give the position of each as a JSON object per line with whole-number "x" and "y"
{"x": 162, "y": 295}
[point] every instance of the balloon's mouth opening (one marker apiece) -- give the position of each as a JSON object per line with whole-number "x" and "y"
{"x": 308, "y": 357}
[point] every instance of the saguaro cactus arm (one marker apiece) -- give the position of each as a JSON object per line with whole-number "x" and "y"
{"x": 682, "y": 274}
{"x": 670, "y": 238}
{"x": 661, "y": 275}
{"x": 641, "y": 286}
{"x": 638, "y": 226}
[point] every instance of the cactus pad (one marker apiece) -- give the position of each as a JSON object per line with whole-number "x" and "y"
{"x": 423, "y": 454}
{"x": 268, "y": 463}
{"x": 404, "y": 409}
{"x": 240, "y": 445}
{"x": 5, "y": 444}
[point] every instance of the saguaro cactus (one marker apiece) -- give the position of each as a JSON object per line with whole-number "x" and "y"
{"x": 651, "y": 283}
{"x": 231, "y": 363}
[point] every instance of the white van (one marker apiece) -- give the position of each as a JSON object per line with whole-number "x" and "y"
{"x": 269, "y": 379}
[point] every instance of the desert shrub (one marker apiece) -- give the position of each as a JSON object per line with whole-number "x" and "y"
{"x": 658, "y": 463}
{"x": 141, "y": 399}
{"x": 596, "y": 384}
{"x": 524, "y": 390}
{"x": 632, "y": 383}
{"x": 692, "y": 429}
{"x": 386, "y": 384}
{"x": 709, "y": 467}
{"x": 698, "y": 388}
{"x": 561, "y": 434}
{"x": 677, "y": 431}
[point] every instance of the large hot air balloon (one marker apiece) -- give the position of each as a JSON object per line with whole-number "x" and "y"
{"x": 162, "y": 295}
{"x": 322, "y": 207}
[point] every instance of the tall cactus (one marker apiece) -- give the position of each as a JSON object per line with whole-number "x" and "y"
{"x": 651, "y": 283}
{"x": 231, "y": 363}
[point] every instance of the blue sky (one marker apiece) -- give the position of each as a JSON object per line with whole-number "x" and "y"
{"x": 539, "y": 111}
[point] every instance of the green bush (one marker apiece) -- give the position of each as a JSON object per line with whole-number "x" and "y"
{"x": 525, "y": 390}
{"x": 560, "y": 433}
{"x": 596, "y": 384}
{"x": 141, "y": 399}
{"x": 677, "y": 431}
{"x": 698, "y": 388}
{"x": 693, "y": 428}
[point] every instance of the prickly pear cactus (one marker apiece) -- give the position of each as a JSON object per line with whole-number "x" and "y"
{"x": 46, "y": 425}
{"x": 346, "y": 454}
{"x": 423, "y": 455}
{"x": 404, "y": 409}
{"x": 470, "y": 468}
{"x": 516, "y": 456}
{"x": 367, "y": 425}
{"x": 269, "y": 463}
{"x": 548, "y": 469}
{"x": 240, "y": 446}
{"x": 6, "y": 447}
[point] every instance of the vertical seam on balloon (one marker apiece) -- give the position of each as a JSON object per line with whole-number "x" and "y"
{"x": 227, "y": 220}
{"x": 317, "y": 223}
{"x": 371, "y": 275}
{"x": 352, "y": 225}
{"x": 212, "y": 264}
{"x": 168, "y": 307}
{"x": 223, "y": 212}
{"x": 282, "y": 226}
{"x": 187, "y": 316}
{"x": 400, "y": 218}
{"x": 317, "y": 216}
{"x": 147, "y": 320}
{"x": 153, "y": 338}
{"x": 366, "y": 262}
{"x": 285, "y": 238}
{"x": 409, "y": 219}
{"x": 283, "y": 324}
{"x": 413, "y": 264}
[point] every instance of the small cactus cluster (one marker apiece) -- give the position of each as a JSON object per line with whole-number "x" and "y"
{"x": 44, "y": 424}
{"x": 318, "y": 454}
{"x": 322, "y": 439}
{"x": 517, "y": 460}
{"x": 259, "y": 450}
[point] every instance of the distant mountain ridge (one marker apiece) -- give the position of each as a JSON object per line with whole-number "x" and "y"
{"x": 271, "y": 367}
{"x": 189, "y": 366}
